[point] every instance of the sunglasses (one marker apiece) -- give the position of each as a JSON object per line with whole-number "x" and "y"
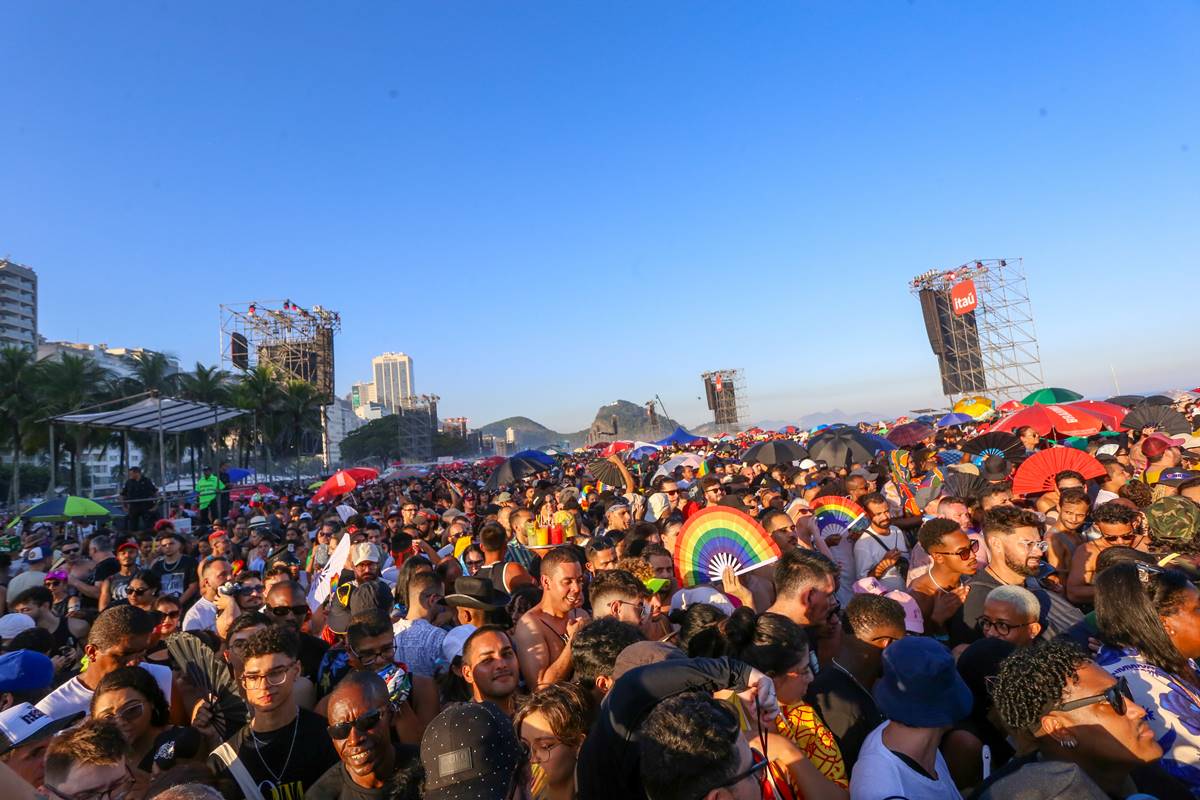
{"x": 129, "y": 713}
{"x": 1115, "y": 696}
{"x": 363, "y": 725}
{"x": 140, "y": 592}
{"x": 283, "y": 611}
{"x": 1120, "y": 537}
{"x": 170, "y": 614}
{"x": 964, "y": 552}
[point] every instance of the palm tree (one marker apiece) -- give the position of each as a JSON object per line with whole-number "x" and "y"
{"x": 152, "y": 372}
{"x": 205, "y": 385}
{"x": 68, "y": 383}
{"x": 300, "y": 410}
{"x": 258, "y": 391}
{"x": 19, "y": 407}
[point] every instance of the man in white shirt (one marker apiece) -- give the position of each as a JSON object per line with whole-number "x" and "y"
{"x": 214, "y": 573}
{"x": 119, "y": 638}
{"x": 882, "y": 548}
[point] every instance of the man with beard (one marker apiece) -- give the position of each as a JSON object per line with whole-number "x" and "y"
{"x": 543, "y": 634}
{"x": 360, "y": 716}
{"x": 490, "y": 668}
{"x": 1015, "y": 550}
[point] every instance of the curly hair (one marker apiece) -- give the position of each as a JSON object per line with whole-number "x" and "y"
{"x": 1114, "y": 514}
{"x": 1032, "y": 680}
{"x": 141, "y": 682}
{"x": 596, "y": 647}
{"x": 92, "y": 742}
{"x": 688, "y": 747}
{"x": 566, "y": 706}
{"x": 275, "y": 639}
{"x": 1137, "y": 493}
{"x": 933, "y": 531}
{"x": 638, "y": 567}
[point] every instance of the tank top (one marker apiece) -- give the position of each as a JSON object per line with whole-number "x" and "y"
{"x": 496, "y": 576}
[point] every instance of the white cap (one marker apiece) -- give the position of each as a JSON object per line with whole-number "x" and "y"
{"x": 452, "y": 644}
{"x": 684, "y": 598}
{"x": 12, "y": 624}
{"x": 23, "y": 722}
{"x": 365, "y": 551}
{"x": 807, "y": 463}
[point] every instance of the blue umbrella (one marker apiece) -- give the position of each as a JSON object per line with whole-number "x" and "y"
{"x": 882, "y": 441}
{"x": 536, "y": 455}
{"x": 950, "y": 420}
{"x": 237, "y": 474}
{"x": 926, "y": 418}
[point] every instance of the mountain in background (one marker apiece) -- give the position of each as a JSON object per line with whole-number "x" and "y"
{"x": 528, "y": 433}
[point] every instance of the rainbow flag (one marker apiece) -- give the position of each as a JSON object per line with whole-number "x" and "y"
{"x": 704, "y": 470}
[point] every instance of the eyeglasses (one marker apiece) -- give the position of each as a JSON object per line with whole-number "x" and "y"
{"x": 964, "y": 553}
{"x": 284, "y": 611}
{"x": 368, "y": 656}
{"x": 1038, "y": 546}
{"x": 757, "y": 765}
{"x": 275, "y": 677}
{"x": 641, "y": 607}
{"x": 114, "y": 791}
{"x": 998, "y": 625}
{"x": 1115, "y": 695}
{"x": 130, "y": 713}
{"x": 363, "y": 725}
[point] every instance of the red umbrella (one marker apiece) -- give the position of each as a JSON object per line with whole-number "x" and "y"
{"x": 1110, "y": 413}
{"x": 1010, "y": 406}
{"x": 1047, "y": 420}
{"x": 616, "y": 447}
{"x": 909, "y": 434}
{"x": 1036, "y": 473}
{"x": 343, "y": 481}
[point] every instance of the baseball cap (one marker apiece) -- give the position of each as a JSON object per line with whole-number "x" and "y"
{"x": 452, "y": 644}
{"x": 807, "y": 463}
{"x": 24, "y": 724}
{"x": 12, "y": 624}
{"x": 470, "y": 750}
{"x": 365, "y": 551}
{"x": 35, "y": 554}
{"x": 126, "y": 546}
{"x": 865, "y": 474}
{"x": 681, "y": 600}
{"x": 1154, "y": 445}
{"x": 25, "y": 670}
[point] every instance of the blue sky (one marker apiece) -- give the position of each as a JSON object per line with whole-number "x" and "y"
{"x": 551, "y": 205}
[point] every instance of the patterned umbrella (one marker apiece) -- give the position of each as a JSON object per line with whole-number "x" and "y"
{"x": 1051, "y": 419}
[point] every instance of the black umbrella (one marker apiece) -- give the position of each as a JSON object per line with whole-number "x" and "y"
{"x": 1127, "y": 400}
{"x": 512, "y": 471}
{"x": 1160, "y": 418}
{"x": 777, "y": 451}
{"x": 606, "y": 472}
{"x": 1157, "y": 400}
{"x": 997, "y": 443}
{"x": 964, "y": 484}
{"x": 841, "y": 447}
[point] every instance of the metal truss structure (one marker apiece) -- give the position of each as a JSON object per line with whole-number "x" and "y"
{"x": 997, "y": 343}
{"x": 725, "y": 391}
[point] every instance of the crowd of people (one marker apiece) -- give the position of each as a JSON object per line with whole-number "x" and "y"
{"x": 962, "y": 640}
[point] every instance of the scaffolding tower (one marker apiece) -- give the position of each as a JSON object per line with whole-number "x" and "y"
{"x": 725, "y": 391}
{"x": 1006, "y": 348}
{"x": 295, "y": 342}
{"x": 416, "y": 421}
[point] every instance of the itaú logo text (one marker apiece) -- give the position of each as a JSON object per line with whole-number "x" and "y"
{"x": 962, "y": 297}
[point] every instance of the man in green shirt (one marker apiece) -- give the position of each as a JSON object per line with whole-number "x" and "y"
{"x": 207, "y": 489}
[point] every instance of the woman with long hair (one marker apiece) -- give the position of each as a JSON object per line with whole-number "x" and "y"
{"x": 1149, "y": 619}
{"x": 130, "y": 698}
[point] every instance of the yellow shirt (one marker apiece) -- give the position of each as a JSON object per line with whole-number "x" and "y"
{"x": 801, "y": 724}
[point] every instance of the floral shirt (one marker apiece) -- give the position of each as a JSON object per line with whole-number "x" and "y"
{"x": 801, "y": 724}
{"x": 1172, "y": 710}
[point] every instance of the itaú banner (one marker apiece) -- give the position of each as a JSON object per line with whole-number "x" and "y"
{"x": 962, "y": 297}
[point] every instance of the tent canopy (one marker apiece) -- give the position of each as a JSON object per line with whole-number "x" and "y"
{"x": 178, "y": 416}
{"x": 679, "y": 436}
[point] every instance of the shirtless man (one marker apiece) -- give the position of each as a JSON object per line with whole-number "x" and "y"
{"x": 1067, "y": 535}
{"x": 544, "y": 633}
{"x": 1118, "y": 524}
{"x": 941, "y": 590}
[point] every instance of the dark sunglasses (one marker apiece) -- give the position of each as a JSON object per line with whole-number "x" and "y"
{"x": 140, "y": 592}
{"x": 1115, "y": 695}
{"x": 363, "y": 725}
{"x": 283, "y": 611}
{"x": 963, "y": 553}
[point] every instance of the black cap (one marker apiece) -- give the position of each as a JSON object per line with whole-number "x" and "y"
{"x": 470, "y": 752}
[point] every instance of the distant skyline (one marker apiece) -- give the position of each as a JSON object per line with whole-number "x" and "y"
{"x": 552, "y": 206}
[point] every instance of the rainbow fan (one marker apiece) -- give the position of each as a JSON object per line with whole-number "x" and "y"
{"x": 838, "y": 516}
{"x": 718, "y": 537}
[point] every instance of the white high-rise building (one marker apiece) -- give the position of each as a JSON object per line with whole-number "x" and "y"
{"x": 393, "y": 380}
{"x": 18, "y": 305}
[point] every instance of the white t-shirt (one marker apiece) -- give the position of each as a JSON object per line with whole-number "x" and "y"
{"x": 73, "y": 697}
{"x": 201, "y": 617}
{"x": 880, "y": 773}
{"x": 868, "y": 553}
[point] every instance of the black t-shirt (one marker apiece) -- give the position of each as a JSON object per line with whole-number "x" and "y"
{"x": 847, "y": 708}
{"x": 336, "y": 784}
{"x": 175, "y": 578}
{"x": 286, "y": 762}
{"x": 312, "y": 650}
{"x": 105, "y": 570}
